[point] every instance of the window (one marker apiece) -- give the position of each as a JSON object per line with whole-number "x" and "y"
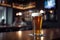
{"x": 48, "y": 4}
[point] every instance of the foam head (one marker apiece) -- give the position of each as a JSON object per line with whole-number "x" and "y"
{"x": 35, "y": 14}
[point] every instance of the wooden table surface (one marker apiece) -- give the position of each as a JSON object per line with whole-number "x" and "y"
{"x": 24, "y": 35}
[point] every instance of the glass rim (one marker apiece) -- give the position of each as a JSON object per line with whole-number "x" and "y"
{"x": 36, "y": 14}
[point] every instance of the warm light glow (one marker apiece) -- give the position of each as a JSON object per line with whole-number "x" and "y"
{"x": 20, "y": 6}
{"x": 42, "y": 38}
{"x": 23, "y": 8}
{"x": 19, "y": 13}
{"x": 19, "y": 34}
{"x": 51, "y": 11}
{"x": 7, "y": 5}
{"x": 42, "y": 32}
{"x": 42, "y": 11}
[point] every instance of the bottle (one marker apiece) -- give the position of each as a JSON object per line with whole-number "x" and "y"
{"x": 45, "y": 17}
{"x": 51, "y": 15}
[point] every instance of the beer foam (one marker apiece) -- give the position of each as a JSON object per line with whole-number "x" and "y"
{"x": 35, "y": 14}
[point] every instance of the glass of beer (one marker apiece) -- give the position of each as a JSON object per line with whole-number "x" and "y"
{"x": 37, "y": 25}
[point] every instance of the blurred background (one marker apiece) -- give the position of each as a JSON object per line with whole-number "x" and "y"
{"x": 10, "y": 10}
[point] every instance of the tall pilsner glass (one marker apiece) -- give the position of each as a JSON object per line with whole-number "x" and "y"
{"x": 37, "y": 25}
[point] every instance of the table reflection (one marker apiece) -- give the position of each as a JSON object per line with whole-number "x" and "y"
{"x": 50, "y": 34}
{"x": 19, "y": 33}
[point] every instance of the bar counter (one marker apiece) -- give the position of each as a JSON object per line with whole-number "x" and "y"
{"x": 50, "y": 34}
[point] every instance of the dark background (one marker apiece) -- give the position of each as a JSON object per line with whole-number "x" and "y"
{"x": 39, "y": 5}
{"x": 47, "y": 24}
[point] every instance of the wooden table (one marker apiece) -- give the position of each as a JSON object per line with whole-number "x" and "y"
{"x": 24, "y": 35}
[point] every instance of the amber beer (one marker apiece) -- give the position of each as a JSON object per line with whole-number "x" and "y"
{"x": 37, "y": 22}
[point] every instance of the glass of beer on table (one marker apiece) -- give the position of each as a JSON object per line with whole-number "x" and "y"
{"x": 37, "y": 25}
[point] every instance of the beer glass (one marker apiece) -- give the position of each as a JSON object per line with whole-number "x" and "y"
{"x": 37, "y": 25}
